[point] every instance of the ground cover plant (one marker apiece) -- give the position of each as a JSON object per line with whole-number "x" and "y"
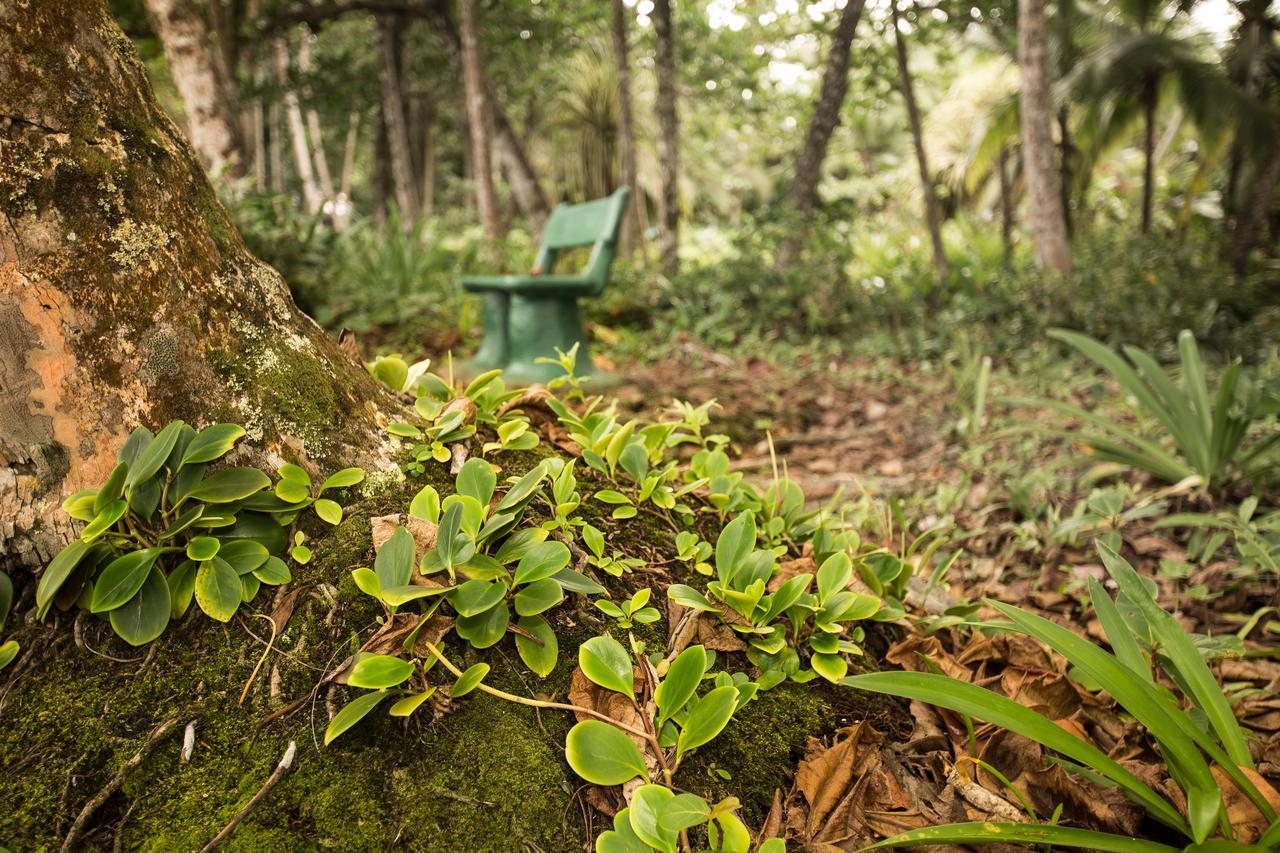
{"x": 912, "y": 480}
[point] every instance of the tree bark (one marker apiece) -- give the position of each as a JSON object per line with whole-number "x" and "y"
{"x": 205, "y": 84}
{"x": 668, "y": 136}
{"x": 390, "y": 30}
{"x": 315, "y": 138}
{"x": 126, "y": 295}
{"x": 932, "y": 215}
{"x": 312, "y": 198}
{"x": 802, "y": 196}
{"x": 428, "y": 156}
{"x": 1044, "y": 185}
{"x": 478, "y": 121}
{"x": 1006, "y": 203}
{"x": 631, "y": 233}
{"x": 1149, "y": 96}
{"x": 1253, "y": 215}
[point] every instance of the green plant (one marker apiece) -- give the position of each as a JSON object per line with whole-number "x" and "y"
{"x": 791, "y": 631}
{"x": 1255, "y": 536}
{"x": 220, "y": 535}
{"x": 658, "y": 816}
{"x": 629, "y": 612}
{"x": 1188, "y": 717}
{"x": 1209, "y": 431}
{"x": 476, "y": 543}
{"x": 9, "y": 649}
{"x": 1106, "y": 511}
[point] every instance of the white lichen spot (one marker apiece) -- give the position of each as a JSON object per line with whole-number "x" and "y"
{"x": 136, "y": 242}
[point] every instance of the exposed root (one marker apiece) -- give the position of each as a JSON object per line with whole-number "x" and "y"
{"x": 286, "y": 763}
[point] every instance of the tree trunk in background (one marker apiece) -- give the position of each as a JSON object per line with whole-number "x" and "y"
{"x": 1258, "y": 206}
{"x": 632, "y": 236}
{"x": 668, "y": 136}
{"x": 208, "y": 91}
{"x": 312, "y": 198}
{"x": 148, "y": 309}
{"x": 932, "y": 214}
{"x": 1149, "y": 97}
{"x": 1006, "y": 203}
{"x": 390, "y": 33}
{"x": 316, "y": 138}
{"x": 525, "y": 188}
{"x": 478, "y": 121}
{"x": 803, "y": 193}
{"x": 428, "y": 156}
{"x": 275, "y": 147}
{"x": 1044, "y": 184}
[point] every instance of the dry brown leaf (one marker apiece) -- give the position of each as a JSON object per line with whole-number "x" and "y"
{"x": 283, "y": 607}
{"x": 701, "y": 628}
{"x": 915, "y": 653}
{"x": 1245, "y": 817}
{"x": 422, "y": 531}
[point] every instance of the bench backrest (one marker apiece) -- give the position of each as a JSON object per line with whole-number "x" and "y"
{"x": 593, "y": 223}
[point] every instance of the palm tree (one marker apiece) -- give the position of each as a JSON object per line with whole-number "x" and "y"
{"x": 1135, "y": 55}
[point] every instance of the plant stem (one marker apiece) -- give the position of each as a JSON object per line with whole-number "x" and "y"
{"x": 532, "y": 703}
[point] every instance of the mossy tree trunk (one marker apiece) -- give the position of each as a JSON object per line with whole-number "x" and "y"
{"x": 126, "y": 295}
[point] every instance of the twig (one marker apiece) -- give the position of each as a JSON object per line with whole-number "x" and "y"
{"x": 265, "y": 652}
{"x": 286, "y": 762}
{"x": 73, "y": 834}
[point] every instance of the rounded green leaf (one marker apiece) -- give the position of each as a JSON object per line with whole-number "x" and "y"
{"x": 832, "y": 667}
{"x": 485, "y": 629}
{"x": 122, "y": 578}
{"x": 736, "y": 541}
{"x": 343, "y": 479}
{"x": 231, "y": 484}
{"x": 606, "y": 663}
{"x": 538, "y": 597}
{"x": 328, "y": 510}
{"x": 683, "y": 811}
{"x": 542, "y": 651}
{"x": 155, "y": 454}
{"x": 110, "y": 514}
{"x": 375, "y": 672}
{"x": 612, "y": 496}
{"x": 112, "y": 489}
{"x": 202, "y": 548}
{"x": 81, "y": 504}
{"x": 426, "y": 505}
{"x": 541, "y": 561}
{"x": 8, "y": 651}
{"x": 475, "y": 597}
{"x": 293, "y": 491}
{"x": 406, "y": 706}
{"x": 477, "y": 480}
{"x": 469, "y": 680}
{"x": 212, "y": 443}
{"x": 218, "y": 590}
{"x": 145, "y": 616}
{"x": 622, "y": 838}
{"x": 182, "y": 586}
{"x": 273, "y": 572}
{"x": 647, "y": 804}
{"x": 56, "y": 574}
{"x": 602, "y": 754}
{"x": 353, "y": 712}
{"x": 681, "y": 682}
{"x": 367, "y": 582}
{"x": 707, "y": 718}
{"x": 834, "y": 574}
{"x": 243, "y": 555}
{"x": 687, "y": 596}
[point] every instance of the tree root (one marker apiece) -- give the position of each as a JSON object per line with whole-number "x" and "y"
{"x": 286, "y": 763}
{"x": 77, "y": 828}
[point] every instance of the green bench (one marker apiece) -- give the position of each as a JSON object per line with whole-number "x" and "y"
{"x": 530, "y": 316}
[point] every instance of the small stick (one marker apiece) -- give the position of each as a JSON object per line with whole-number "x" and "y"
{"x": 286, "y": 762}
{"x": 73, "y": 835}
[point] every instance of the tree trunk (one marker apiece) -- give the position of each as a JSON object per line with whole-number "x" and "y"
{"x": 275, "y": 147}
{"x": 126, "y": 294}
{"x": 525, "y": 188}
{"x": 931, "y": 213}
{"x": 668, "y": 136}
{"x": 1044, "y": 185}
{"x": 428, "y": 156}
{"x": 205, "y": 84}
{"x": 312, "y": 198}
{"x": 1065, "y": 154}
{"x": 390, "y": 30}
{"x": 478, "y": 121}
{"x": 803, "y": 193}
{"x": 1254, "y": 213}
{"x": 1006, "y": 203}
{"x": 632, "y": 236}
{"x": 323, "y": 176}
{"x": 1149, "y": 97}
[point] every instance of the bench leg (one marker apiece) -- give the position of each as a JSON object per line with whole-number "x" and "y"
{"x": 536, "y": 326}
{"x": 494, "y": 346}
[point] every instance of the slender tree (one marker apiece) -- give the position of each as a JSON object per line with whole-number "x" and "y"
{"x": 390, "y": 47}
{"x": 205, "y": 84}
{"x": 1044, "y": 184}
{"x": 668, "y": 135}
{"x": 632, "y": 234}
{"x": 473, "y": 81}
{"x": 932, "y": 213}
{"x": 803, "y": 192}
{"x": 312, "y": 197}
